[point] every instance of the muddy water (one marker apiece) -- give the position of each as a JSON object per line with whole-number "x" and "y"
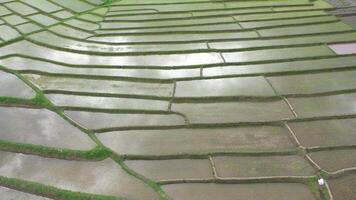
{"x": 242, "y": 86}
{"x": 18, "y": 87}
{"x": 347, "y": 48}
{"x": 331, "y": 105}
{"x": 343, "y": 188}
{"x": 269, "y": 191}
{"x": 256, "y": 166}
{"x": 163, "y": 142}
{"x": 93, "y": 120}
{"x": 170, "y": 60}
{"x": 232, "y": 112}
{"x": 41, "y": 127}
{"x": 325, "y": 132}
{"x": 335, "y": 160}
{"x": 9, "y": 194}
{"x": 30, "y": 64}
{"x": 107, "y": 102}
{"x": 101, "y": 86}
{"x": 314, "y": 83}
{"x": 104, "y": 177}
{"x": 172, "y": 169}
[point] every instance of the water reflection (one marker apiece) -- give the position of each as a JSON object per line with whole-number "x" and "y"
{"x": 84, "y": 176}
{"x": 30, "y": 49}
{"x": 41, "y": 127}
{"x": 18, "y": 87}
{"x": 107, "y": 102}
{"x": 9, "y": 194}
{"x": 19, "y": 63}
{"x": 178, "y": 141}
{"x": 267, "y": 191}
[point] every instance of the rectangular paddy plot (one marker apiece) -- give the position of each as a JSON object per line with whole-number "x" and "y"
{"x": 314, "y": 83}
{"x": 349, "y": 48}
{"x": 165, "y": 170}
{"x": 190, "y": 141}
{"x": 277, "y": 54}
{"x": 170, "y": 60}
{"x": 306, "y": 29}
{"x": 165, "y": 23}
{"x": 335, "y": 160}
{"x": 50, "y": 39}
{"x": 93, "y": 102}
{"x": 109, "y": 87}
{"x": 242, "y": 86}
{"x": 282, "y": 67}
{"x": 344, "y": 187}
{"x": 325, "y": 133}
{"x": 234, "y": 112}
{"x": 229, "y": 26}
{"x": 274, "y": 42}
{"x": 330, "y": 105}
{"x": 262, "y": 166}
{"x": 186, "y": 37}
{"x": 177, "y": 100}
{"x": 26, "y": 64}
{"x": 267, "y": 191}
{"x": 102, "y": 120}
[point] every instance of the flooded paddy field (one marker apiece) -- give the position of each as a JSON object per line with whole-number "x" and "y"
{"x": 177, "y": 100}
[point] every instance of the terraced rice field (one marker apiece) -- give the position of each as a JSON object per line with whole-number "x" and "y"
{"x": 177, "y": 100}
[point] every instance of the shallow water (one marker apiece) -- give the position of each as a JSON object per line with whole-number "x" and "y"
{"x": 96, "y": 120}
{"x": 262, "y": 166}
{"x": 172, "y": 169}
{"x": 335, "y": 160}
{"x": 9, "y": 194}
{"x": 177, "y": 141}
{"x": 343, "y": 188}
{"x": 267, "y": 191}
{"x": 18, "y": 87}
{"x": 102, "y": 177}
{"x": 325, "y": 133}
{"x": 41, "y": 127}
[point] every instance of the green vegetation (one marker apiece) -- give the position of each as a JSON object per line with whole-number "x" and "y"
{"x": 98, "y": 153}
{"x": 106, "y": 2}
{"x": 312, "y": 183}
{"x": 16, "y": 101}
